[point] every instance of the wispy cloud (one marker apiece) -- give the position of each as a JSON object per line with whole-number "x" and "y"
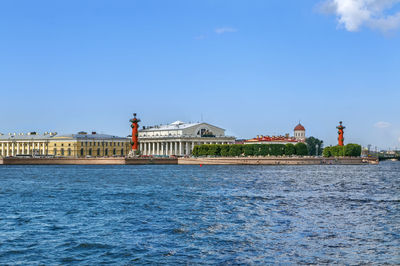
{"x": 200, "y": 37}
{"x": 382, "y": 124}
{"x": 223, "y": 30}
{"x": 354, "y": 14}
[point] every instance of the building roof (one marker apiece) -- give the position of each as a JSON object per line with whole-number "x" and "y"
{"x": 299, "y": 127}
{"x": 54, "y": 136}
{"x": 174, "y": 126}
{"x": 87, "y": 136}
{"x": 277, "y": 139}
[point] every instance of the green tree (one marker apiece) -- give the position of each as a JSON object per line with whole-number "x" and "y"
{"x": 327, "y": 152}
{"x": 264, "y": 150}
{"x": 352, "y": 150}
{"x": 235, "y": 150}
{"x": 203, "y": 150}
{"x": 301, "y": 149}
{"x": 337, "y": 151}
{"x": 289, "y": 149}
{"x": 214, "y": 150}
{"x": 195, "y": 151}
{"x": 248, "y": 149}
{"x": 257, "y": 149}
{"x": 312, "y": 142}
{"x": 224, "y": 150}
{"x": 277, "y": 149}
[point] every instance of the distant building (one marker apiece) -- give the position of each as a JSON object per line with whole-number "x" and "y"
{"x": 72, "y": 145}
{"x": 179, "y": 138}
{"x": 299, "y": 136}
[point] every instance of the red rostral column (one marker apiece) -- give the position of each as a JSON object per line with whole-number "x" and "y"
{"x": 341, "y": 133}
{"x": 135, "y": 128}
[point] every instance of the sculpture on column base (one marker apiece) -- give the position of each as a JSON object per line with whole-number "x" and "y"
{"x": 133, "y": 154}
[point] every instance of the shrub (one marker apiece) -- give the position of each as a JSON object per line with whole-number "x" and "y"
{"x": 203, "y": 150}
{"x": 195, "y": 151}
{"x": 224, "y": 150}
{"x": 289, "y": 149}
{"x": 347, "y": 150}
{"x": 235, "y": 150}
{"x": 248, "y": 149}
{"x": 327, "y": 152}
{"x": 277, "y": 149}
{"x": 301, "y": 149}
{"x": 352, "y": 150}
{"x": 337, "y": 151}
{"x": 214, "y": 149}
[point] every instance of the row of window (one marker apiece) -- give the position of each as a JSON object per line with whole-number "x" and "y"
{"x": 103, "y": 144}
{"x": 98, "y": 152}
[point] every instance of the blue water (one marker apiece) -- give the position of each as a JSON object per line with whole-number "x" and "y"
{"x": 190, "y": 214}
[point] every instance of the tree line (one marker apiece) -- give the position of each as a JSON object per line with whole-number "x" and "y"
{"x": 346, "y": 150}
{"x": 228, "y": 150}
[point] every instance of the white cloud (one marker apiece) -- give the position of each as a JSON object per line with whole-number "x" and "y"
{"x": 382, "y": 124}
{"x": 225, "y": 30}
{"x": 354, "y": 14}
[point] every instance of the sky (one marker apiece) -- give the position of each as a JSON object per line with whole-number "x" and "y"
{"x": 252, "y": 67}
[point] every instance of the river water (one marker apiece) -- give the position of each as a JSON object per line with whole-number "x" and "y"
{"x": 190, "y": 214}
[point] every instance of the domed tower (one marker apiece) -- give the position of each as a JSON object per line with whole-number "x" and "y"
{"x": 300, "y": 132}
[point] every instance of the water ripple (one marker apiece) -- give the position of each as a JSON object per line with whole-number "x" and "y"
{"x": 200, "y": 215}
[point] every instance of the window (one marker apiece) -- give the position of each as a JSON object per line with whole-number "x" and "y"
{"x": 62, "y": 152}
{"x": 106, "y": 152}
{"x": 55, "y": 151}
{"x": 98, "y": 152}
{"x": 55, "y": 144}
{"x": 69, "y": 151}
{"x": 90, "y": 151}
{"x": 82, "y": 152}
{"x": 122, "y": 152}
{"x": 114, "y": 151}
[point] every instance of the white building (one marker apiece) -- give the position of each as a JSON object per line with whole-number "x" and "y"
{"x": 179, "y": 138}
{"x": 300, "y": 133}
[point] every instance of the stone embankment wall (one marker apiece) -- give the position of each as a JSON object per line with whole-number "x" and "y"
{"x": 152, "y": 161}
{"x": 273, "y": 161}
{"x": 84, "y": 161}
{"x": 191, "y": 161}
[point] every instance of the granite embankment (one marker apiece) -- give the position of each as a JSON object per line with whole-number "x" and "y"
{"x": 191, "y": 161}
{"x": 86, "y": 161}
{"x": 277, "y": 161}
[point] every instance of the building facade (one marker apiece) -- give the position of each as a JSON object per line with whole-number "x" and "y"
{"x": 299, "y": 136}
{"x": 72, "y": 145}
{"x": 179, "y": 138}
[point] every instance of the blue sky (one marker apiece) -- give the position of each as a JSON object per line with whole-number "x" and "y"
{"x": 251, "y": 67}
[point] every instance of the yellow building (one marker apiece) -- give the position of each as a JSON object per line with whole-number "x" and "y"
{"x": 72, "y": 145}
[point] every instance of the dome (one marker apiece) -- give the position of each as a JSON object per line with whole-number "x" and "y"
{"x": 299, "y": 127}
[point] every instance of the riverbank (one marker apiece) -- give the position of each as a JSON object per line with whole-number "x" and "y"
{"x": 278, "y": 161}
{"x": 192, "y": 161}
{"x": 86, "y": 161}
